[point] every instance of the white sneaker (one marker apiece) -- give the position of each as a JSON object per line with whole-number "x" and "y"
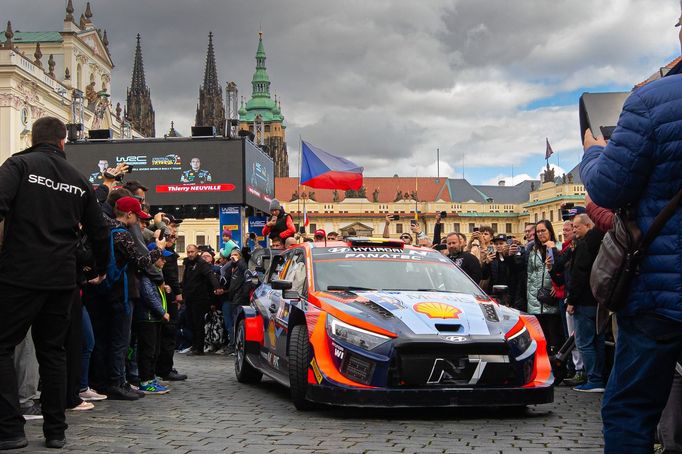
{"x": 83, "y": 406}
{"x": 91, "y": 395}
{"x": 32, "y": 413}
{"x": 185, "y": 350}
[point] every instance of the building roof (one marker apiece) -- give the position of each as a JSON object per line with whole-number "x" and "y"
{"x": 508, "y": 194}
{"x": 660, "y": 73}
{"x": 428, "y": 189}
{"x": 34, "y": 37}
{"x": 462, "y": 191}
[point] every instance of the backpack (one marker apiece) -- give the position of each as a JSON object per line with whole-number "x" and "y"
{"x": 621, "y": 252}
{"x": 114, "y": 273}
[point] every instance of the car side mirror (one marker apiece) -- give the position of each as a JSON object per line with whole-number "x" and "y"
{"x": 280, "y": 284}
{"x": 291, "y": 295}
{"x": 500, "y": 290}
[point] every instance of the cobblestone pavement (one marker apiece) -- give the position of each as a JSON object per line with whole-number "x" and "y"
{"x": 212, "y": 412}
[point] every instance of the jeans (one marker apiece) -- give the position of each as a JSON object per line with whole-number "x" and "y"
{"x": 86, "y": 352}
{"x": 111, "y": 326}
{"x": 148, "y": 336}
{"x": 47, "y": 312}
{"x": 74, "y": 354}
{"x": 164, "y": 363}
{"x": 26, "y": 367}
{"x": 670, "y": 425}
{"x": 197, "y": 310}
{"x": 229, "y": 313}
{"x": 640, "y": 382}
{"x": 589, "y": 344}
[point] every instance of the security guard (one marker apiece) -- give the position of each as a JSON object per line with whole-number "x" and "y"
{"x": 195, "y": 175}
{"x": 43, "y": 199}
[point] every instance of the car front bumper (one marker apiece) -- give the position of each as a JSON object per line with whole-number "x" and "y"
{"x": 430, "y": 397}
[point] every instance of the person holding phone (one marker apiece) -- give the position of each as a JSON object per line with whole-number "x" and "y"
{"x": 280, "y": 225}
{"x": 540, "y": 292}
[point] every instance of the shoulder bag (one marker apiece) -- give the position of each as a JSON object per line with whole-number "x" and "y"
{"x": 621, "y": 252}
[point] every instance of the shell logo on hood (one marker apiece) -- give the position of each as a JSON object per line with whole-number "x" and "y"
{"x": 437, "y": 310}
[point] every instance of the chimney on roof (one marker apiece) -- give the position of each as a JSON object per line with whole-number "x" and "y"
{"x": 501, "y": 183}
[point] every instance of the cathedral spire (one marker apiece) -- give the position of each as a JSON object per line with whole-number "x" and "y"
{"x": 139, "y": 103}
{"x": 138, "y": 83}
{"x": 211, "y": 110}
{"x": 210, "y": 72}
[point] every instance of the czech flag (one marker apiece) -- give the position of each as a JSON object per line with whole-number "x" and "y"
{"x": 323, "y": 170}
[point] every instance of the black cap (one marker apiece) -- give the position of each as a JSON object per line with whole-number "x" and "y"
{"x": 173, "y": 219}
{"x": 500, "y": 237}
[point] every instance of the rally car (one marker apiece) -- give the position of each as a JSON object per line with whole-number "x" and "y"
{"x": 370, "y": 322}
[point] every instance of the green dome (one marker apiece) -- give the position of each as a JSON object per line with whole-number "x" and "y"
{"x": 260, "y": 103}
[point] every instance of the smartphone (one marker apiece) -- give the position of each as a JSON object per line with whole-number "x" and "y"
{"x": 476, "y": 229}
{"x": 443, "y": 214}
{"x": 491, "y": 249}
{"x": 395, "y": 217}
{"x": 550, "y": 254}
{"x": 161, "y": 235}
{"x": 510, "y": 241}
{"x": 413, "y": 222}
{"x": 301, "y": 230}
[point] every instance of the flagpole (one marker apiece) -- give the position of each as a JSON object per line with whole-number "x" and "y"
{"x": 300, "y": 171}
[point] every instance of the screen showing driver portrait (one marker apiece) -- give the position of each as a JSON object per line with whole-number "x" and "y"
{"x": 195, "y": 175}
{"x": 182, "y": 172}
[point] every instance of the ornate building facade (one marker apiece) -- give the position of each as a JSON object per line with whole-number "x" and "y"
{"x": 262, "y": 116}
{"x": 47, "y": 72}
{"x": 211, "y": 110}
{"x": 139, "y": 109}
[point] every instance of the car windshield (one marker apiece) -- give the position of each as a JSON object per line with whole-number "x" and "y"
{"x": 408, "y": 270}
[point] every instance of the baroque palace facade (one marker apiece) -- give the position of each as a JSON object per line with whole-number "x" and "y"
{"x": 52, "y": 73}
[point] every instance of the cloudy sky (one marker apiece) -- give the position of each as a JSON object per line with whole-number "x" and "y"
{"x": 387, "y": 82}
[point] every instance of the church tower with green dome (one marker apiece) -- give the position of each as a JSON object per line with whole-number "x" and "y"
{"x": 262, "y": 115}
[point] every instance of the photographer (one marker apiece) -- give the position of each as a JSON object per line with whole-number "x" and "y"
{"x": 502, "y": 268}
{"x": 640, "y": 167}
{"x": 280, "y": 225}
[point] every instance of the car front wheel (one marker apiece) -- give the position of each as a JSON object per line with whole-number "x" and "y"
{"x": 300, "y": 355}
{"x": 244, "y": 371}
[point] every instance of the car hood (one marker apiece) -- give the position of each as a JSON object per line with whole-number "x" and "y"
{"x": 425, "y": 313}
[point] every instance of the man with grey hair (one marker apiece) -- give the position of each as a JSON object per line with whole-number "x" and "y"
{"x": 580, "y": 303}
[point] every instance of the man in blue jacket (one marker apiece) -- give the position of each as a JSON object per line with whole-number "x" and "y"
{"x": 642, "y": 165}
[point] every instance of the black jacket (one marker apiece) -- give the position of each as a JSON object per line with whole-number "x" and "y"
{"x": 469, "y": 264}
{"x": 584, "y": 254}
{"x": 233, "y": 277}
{"x": 43, "y": 198}
{"x": 198, "y": 280}
{"x": 171, "y": 273}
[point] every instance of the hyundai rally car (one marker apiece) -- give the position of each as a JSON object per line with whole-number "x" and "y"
{"x": 372, "y": 322}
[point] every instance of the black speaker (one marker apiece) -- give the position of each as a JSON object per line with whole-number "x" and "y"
{"x": 100, "y": 134}
{"x": 246, "y": 133}
{"x": 72, "y": 131}
{"x": 203, "y": 131}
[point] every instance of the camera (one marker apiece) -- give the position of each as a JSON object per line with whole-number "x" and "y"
{"x": 443, "y": 214}
{"x": 395, "y": 217}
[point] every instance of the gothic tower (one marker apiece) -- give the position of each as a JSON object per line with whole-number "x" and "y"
{"x": 139, "y": 108}
{"x": 262, "y": 115}
{"x": 210, "y": 110}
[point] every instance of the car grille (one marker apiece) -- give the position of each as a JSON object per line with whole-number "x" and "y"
{"x": 483, "y": 365}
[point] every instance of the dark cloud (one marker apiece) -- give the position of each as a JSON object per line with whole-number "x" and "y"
{"x": 386, "y": 82}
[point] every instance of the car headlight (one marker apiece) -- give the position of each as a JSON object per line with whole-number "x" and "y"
{"x": 521, "y": 344}
{"x": 353, "y": 335}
